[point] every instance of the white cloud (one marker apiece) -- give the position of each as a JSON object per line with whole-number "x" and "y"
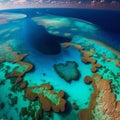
{"x": 18, "y": 1}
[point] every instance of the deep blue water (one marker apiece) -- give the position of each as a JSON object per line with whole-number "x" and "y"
{"x": 41, "y": 40}
{"x": 107, "y": 20}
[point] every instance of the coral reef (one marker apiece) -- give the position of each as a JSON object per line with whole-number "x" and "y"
{"x": 7, "y": 54}
{"x": 95, "y": 66}
{"x": 23, "y": 85}
{"x": 48, "y": 98}
{"x": 88, "y": 79}
{"x": 68, "y": 71}
{"x": 117, "y": 63}
{"x": 103, "y": 105}
{"x": 20, "y": 71}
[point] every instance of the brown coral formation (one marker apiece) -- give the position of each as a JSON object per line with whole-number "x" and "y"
{"x": 23, "y": 85}
{"x": 68, "y": 44}
{"x": 117, "y": 63}
{"x": 88, "y": 79}
{"x": 48, "y": 98}
{"x": 7, "y": 54}
{"x": 20, "y": 71}
{"x": 86, "y": 59}
{"x": 87, "y": 55}
{"x": 95, "y": 66}
{"x": 103, "y": 105}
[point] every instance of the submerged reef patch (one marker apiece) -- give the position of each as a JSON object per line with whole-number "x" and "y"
{"x": 68, "y": 71}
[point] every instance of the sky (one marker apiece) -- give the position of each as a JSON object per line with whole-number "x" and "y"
{"x": 8, "y": 4}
